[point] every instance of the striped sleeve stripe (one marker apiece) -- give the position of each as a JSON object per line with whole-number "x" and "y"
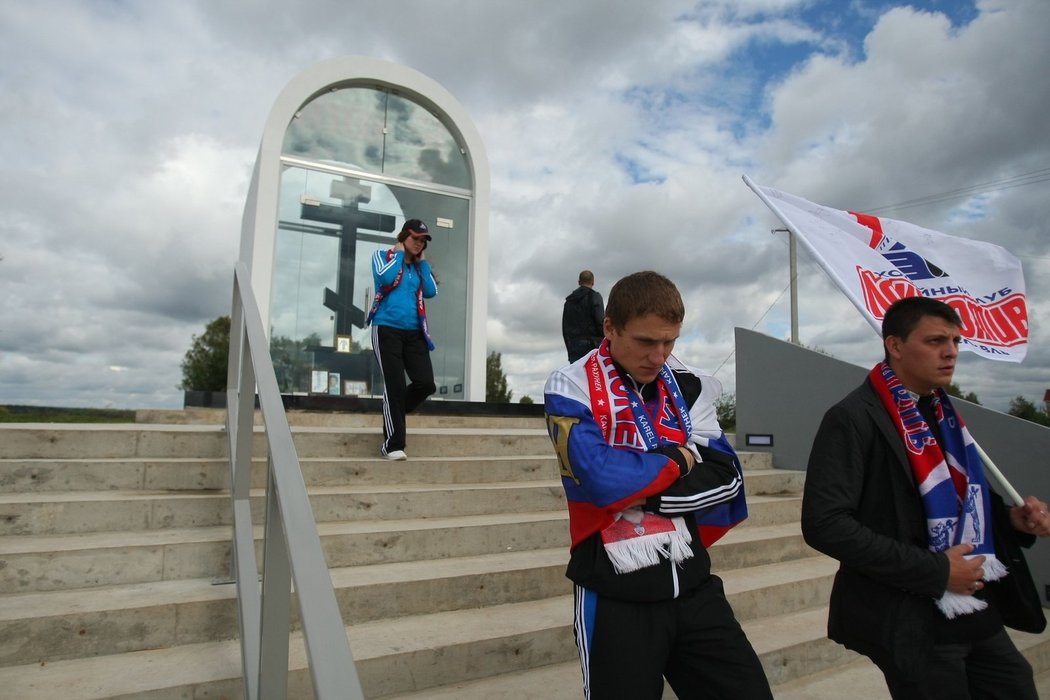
{"x": 688, "y": 504}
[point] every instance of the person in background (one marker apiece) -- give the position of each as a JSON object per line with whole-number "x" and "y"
{"x": 651, "y": 482}
{"x": 582, "y": 317}
{"x": 400, "y": 335}
{"x": 895, "y": 490}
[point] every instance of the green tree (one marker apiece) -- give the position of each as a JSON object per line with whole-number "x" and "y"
{"x": 526, "y": 399}
{"x": 204, "y": 366}
{"x": 954, "y": 390}
{"x": 725, "y": 409}
{"x": 1023, "y": 408}
{"x": 496, "y": 390}
{"x": 292, "y": 362}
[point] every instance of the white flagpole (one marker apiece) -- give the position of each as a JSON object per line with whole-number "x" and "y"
{"x": 989, "y": 465}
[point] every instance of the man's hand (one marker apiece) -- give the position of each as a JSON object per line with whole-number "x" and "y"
{"x": 964, "y": 575}
{"x": 1031, "y": 518}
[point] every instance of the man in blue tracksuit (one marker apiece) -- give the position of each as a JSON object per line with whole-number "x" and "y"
{"x": 400, "y": 336}
{"x": 650, "y": 482}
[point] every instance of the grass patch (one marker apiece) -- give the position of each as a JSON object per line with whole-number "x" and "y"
{"x": 50, "y": 414}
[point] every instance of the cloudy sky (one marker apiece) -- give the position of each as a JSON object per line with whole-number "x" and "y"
{"x": 617, "y": 132}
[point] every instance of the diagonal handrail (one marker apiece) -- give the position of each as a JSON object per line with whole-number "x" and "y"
{"x": 291, "y": 546}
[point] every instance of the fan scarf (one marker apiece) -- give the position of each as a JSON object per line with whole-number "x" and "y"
{"x": 636, "y": 538}
{"x": 420, "y": 306}
{"x": 951, "y": 480}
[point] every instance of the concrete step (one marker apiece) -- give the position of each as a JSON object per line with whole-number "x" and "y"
{"x": 193, "y": 474}
{"x": 22, "y": 441}
{"x": 432, "y": 655}
{"x": 47, "y": 475}
{"x": 61, "y": 562}
{"x": 768, "y": 481}
{"x": 855, "y": 678}
{"x": 97, "y": 511}
{"x": 397, "y": 655}
{"x": 861, "y": 680}
{"x": 339, "y": 419}
{"x": 113, "y": 619}
{"x": 393, "y": 643}
{"x": 109, "y": 441}
{"x": 753, "y": 545}
{"x": 109, "y": 619}
{"x": 71, "y": 512}
{"x": 121, "y": 441}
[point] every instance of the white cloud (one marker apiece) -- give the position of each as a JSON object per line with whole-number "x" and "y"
{"x": 616, "y": 132}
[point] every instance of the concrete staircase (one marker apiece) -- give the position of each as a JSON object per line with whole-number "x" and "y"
{"x": 449, "y": 568}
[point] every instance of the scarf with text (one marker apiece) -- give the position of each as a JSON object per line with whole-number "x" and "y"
{"x": 637, "y": 539}
{"x": 951, "y": 481}
{"x": 421, "y": 308}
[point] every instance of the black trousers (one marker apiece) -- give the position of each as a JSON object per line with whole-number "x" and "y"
{"x": 628, "y": 648}
{"x": 401, "y": 352}
{"x": 991, "y": 669}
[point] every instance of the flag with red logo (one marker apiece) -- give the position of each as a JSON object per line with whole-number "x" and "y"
{"x": 875, "y": 261}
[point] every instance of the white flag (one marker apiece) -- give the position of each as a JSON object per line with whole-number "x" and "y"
{"x": 876, "y": 261}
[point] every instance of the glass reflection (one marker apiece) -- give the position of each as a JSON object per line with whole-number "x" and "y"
{"x": 376, "y": 131}
{"x": 329, "y": 227}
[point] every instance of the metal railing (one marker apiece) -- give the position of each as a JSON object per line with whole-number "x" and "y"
{"x": 291, "y": 545}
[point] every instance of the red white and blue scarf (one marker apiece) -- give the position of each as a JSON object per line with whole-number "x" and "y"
{"x": 636, "y": 538}
{"x": 421, "y": 307}
{"x": 950, "y": 478}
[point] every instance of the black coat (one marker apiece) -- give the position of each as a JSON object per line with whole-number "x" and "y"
{"x": 862, "y": 507}
{"x": 582, "y": 319}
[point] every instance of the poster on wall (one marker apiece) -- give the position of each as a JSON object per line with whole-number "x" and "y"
{"x": 354, "y": 388}
{"x": 319, "y": 381}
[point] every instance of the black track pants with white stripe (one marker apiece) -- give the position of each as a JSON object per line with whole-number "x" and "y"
{"x": 399, "y": 352}
{"x": 627, "y": 648}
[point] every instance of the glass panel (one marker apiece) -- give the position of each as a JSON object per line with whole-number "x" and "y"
{"x": 344, "y": 126}
{"x": 419, "y": 147}
{"x": 373, "y": 130}
{"x": 329, "y": 227}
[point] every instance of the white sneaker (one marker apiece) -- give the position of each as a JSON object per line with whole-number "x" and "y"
{"x": 397, "y": 455}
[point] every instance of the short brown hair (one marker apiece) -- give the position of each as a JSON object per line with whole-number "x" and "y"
{"x": 586, "y": 277}
{"x": 643, "y": 293}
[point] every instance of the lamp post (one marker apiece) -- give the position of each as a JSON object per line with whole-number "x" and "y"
{"x": 793, "y": 274}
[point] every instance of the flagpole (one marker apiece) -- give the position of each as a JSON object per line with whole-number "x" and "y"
{"x": 990, "y": 467}
{"x": 813, "y": 253}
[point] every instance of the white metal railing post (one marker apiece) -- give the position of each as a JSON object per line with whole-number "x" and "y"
{"x": 240, "y": 383}
{"x": 291, "y": 546}
{"x": 276, "y": 602}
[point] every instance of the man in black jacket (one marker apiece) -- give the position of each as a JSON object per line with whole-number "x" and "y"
{"x": 916, "y": 588}
{"x": 582, "y": 318}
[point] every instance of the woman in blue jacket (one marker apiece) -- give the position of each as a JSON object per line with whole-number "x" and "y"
{"x": 400, "y": 337}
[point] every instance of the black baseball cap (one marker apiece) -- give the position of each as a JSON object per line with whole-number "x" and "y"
{"x": 416, "y": 228}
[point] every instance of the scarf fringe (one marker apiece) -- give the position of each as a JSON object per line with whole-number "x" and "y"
{"x": 952, "y": 605}
{"x": 640, "y": 552}
{"x": 955, "y": 604}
